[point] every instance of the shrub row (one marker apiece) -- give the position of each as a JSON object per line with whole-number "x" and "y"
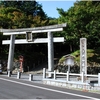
{"x": 76, "y": 69}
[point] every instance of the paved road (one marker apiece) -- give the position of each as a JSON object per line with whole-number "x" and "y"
{"x": 12, "y": 88}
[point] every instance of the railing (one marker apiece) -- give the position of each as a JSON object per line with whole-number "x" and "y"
{"x": 82, "y": 76}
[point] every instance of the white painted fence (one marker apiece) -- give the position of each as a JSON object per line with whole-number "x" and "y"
{"x": 82, "y": 76}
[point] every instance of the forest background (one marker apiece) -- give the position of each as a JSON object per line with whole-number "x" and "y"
{"x": 83, "y": 21}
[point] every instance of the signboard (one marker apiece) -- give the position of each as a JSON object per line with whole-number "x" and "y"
{"x": 69, "y": 60}
{"x": 21, "y": 58}
{"x": 83, "y": 55}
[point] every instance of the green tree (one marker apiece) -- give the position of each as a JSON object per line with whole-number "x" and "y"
{"x": 21, "y": 14}
{"x": 12, "y": 18}
{"x": 82, "y": 21}
{"x": 28, "y": 7}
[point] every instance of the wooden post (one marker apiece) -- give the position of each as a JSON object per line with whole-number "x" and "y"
{"x": 44, "y": 73}
{"x": 30, "y": 77}
{"x": 98, "y": 79}
{"x": 67, "y": 76}
{"x": 18, "y": 75}
{"x": 54, "y": 74}
{"x": 11, "y": 55}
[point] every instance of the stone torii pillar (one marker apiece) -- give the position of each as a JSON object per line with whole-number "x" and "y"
{"x": 50, "y": 53}
{"x": 11, "y": 55}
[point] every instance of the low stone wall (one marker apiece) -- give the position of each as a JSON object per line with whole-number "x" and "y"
{"x": 81, "y": 86}
{"x": 76, "y": 69}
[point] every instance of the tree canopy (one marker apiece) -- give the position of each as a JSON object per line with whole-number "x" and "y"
{"x": 83, "y": 21}
{"x": 21, "y": 14}
{"x": 28, "y": 7}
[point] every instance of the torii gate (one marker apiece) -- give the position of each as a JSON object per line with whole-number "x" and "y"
{"x": 29, "y": 39}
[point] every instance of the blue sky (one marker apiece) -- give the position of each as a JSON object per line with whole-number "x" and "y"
{"x": 49, "y": 7}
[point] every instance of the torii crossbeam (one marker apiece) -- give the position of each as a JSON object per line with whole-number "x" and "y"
{"x": 49, "y": 40}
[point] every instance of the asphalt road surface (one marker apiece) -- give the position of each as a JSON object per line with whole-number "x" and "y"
{"x": 11, "y": 88}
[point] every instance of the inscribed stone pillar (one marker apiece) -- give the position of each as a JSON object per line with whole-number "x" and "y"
{"x": 83, "y": 55}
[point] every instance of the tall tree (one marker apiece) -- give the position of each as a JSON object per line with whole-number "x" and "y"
{"x": 23, "y": 13}
{"x": 12, "y": 18}
{"x": 28, "y": 7}
{"x": 82, "y": 21}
